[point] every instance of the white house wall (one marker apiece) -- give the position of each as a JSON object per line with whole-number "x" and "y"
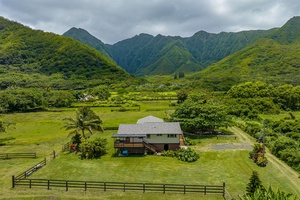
{"x": 164, "y": 139}
{"x": 135, "y": 140}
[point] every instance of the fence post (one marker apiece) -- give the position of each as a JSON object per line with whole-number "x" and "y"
{"x": 53, "y": 154}
{"x": 124, "y": 186}
{"x": 13, "y": 181}
{"x": 143, "y": 187}
{"x": 184, "y": 189}
{"x": 48, "y": 184}
{"x": 223, "y": 189}
{"x": 164, "y": 188}
{"x": 205, "y": 190}
{"x": 84, "y": 185}
{"x": 30, "y": 183}
{"x": 66, "y": 185}
{"x": 104, "y": 186}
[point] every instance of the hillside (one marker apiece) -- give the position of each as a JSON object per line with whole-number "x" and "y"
{"x": 26, "y": 51}
{"x": 274, "y": 59}
{"x": 148, "y": 55}
{"x": 85, "y": 37}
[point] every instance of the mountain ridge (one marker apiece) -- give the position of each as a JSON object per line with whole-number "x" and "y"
{"x": 145, "y": 54}
{"x": 273, "y": 59}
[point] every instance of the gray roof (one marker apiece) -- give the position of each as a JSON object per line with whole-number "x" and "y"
{"x": 150, "y": 128}
{"x": 149, "y": 119}
{"x": 129, "y": 135}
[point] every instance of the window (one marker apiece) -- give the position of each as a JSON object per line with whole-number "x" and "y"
{"x": 159, "y": 135}
{"x": 172, "y": 135}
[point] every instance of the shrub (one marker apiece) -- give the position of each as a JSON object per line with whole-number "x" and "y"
{"x": 76, "y": 140}
{"x": 168, "y": 153}
{"x": 187, "y": 155}
{"x": 93, "y": 148}
{"x": 258, "y": 155}
{"x": 189, "y": 141}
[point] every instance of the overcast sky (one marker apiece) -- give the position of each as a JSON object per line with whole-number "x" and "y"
{"x": 115, "y": 20}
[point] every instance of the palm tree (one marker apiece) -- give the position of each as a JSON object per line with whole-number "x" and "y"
{"x": 85, "y": 119}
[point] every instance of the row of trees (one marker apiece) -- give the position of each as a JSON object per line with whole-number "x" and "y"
{"x": 286, "y": 96}
{"x": 28, "y": 99}
{"x": 281, "y": 137}
{"x": 12, "y": 100}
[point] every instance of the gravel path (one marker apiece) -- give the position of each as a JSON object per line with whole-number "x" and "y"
{"x": 231, "y": 146}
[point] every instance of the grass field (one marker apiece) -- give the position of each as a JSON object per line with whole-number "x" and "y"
{"x": 41, "y": 132}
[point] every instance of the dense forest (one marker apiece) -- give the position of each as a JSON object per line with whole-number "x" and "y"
{"x": 30, "y": 56}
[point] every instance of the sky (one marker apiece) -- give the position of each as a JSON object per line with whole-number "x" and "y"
{"x": 115, "y": 20}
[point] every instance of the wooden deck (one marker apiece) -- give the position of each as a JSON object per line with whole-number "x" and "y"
{"x": 123, "y": 144}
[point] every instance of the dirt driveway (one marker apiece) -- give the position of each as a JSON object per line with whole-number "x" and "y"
{"x": 280, "y": 165}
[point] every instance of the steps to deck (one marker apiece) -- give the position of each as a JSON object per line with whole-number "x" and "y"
{"x": 150, "y": 147}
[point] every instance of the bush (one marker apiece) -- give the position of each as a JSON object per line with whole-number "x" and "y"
{"x": 76, "y": 140}
{"x": 186, "y": 155}
{"x": 258, "y": 155}
{"x": 168, "y": 153}
{"x": 93, "y": 148}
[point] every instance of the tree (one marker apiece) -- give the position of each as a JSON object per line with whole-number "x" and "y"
{"x": 181, "y": 96}
{"x": 85, "y": 119}
{"x": 6, "y": 125}
{"x": 93, "y": 148}
{"x": 102, "y": 92}
{"x": 205, "y": 117}
{"x": 60, "y": 98}
{"x": 181, "y": 75}
{"x": 254, "y": 184}
{"x": 175, "y": 76}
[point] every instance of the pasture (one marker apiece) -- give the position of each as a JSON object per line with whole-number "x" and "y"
{"x": 42, "y": 132}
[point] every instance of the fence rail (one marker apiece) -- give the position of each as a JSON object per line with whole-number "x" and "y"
{"x": 17, "y": 155}
{"x": 145, "y": 187}
{"x": 24, "y": 175}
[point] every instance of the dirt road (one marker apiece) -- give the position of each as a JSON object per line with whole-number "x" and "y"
{"x": 280, "y": 165}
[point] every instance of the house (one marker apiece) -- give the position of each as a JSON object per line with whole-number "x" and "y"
{"x": 149, "y": 134}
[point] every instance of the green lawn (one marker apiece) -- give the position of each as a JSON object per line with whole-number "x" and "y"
{"x": 41, "y": 132}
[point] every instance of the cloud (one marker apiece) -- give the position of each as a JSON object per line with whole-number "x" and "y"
{"x": 112, "y": 21}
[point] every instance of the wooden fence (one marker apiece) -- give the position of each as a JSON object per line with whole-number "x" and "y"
{"x": 104, "y": 186}
{"x": 66, "y": 146}
{"x": 17, "y": 155}
{"x": 28, "y": 172}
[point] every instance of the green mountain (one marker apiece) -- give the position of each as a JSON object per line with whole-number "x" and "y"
{"x": 27, "y": 51}
{"x": 85, "y": 37}
{"x": 148, "y": 55}
{"x": 274, "y": 59}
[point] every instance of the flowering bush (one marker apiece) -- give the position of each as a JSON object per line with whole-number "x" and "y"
{"x": 258, "y": 155}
